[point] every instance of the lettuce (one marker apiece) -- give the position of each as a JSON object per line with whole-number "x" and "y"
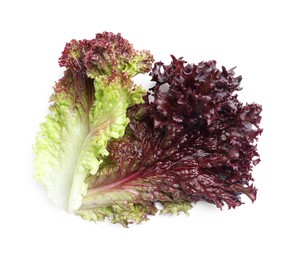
{"x": 191, "y": 140}
{"x": 88, "y": 109}
{"x": 111, "y": 150}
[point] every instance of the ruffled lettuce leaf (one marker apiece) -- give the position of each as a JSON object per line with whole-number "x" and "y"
{"x": 88, "y": 109}
{"x": 191, "y": 140}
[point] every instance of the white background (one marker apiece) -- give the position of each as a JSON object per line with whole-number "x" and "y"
{"x": 255, "y": 36}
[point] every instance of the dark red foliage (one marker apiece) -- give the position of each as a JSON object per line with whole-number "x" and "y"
{"x": 106, "y": 55}
{"x": 191, "y": 140}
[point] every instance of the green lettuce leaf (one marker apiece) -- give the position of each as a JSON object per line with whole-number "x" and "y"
{"x": 88, "y": 109}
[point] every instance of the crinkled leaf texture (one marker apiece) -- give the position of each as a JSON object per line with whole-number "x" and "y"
{"x": 191, "y": 140}
{"x": 88, "y": 109}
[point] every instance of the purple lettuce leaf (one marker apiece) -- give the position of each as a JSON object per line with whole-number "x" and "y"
{"x": 191, "y": 140}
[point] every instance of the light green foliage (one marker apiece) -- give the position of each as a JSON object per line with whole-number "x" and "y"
{"x": 175, "y": 207}
{"x": 73, "y": 140}
{"x": 123, "y": 213}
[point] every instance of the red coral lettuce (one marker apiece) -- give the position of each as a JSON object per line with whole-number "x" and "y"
{"x": 191, "y": 140}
